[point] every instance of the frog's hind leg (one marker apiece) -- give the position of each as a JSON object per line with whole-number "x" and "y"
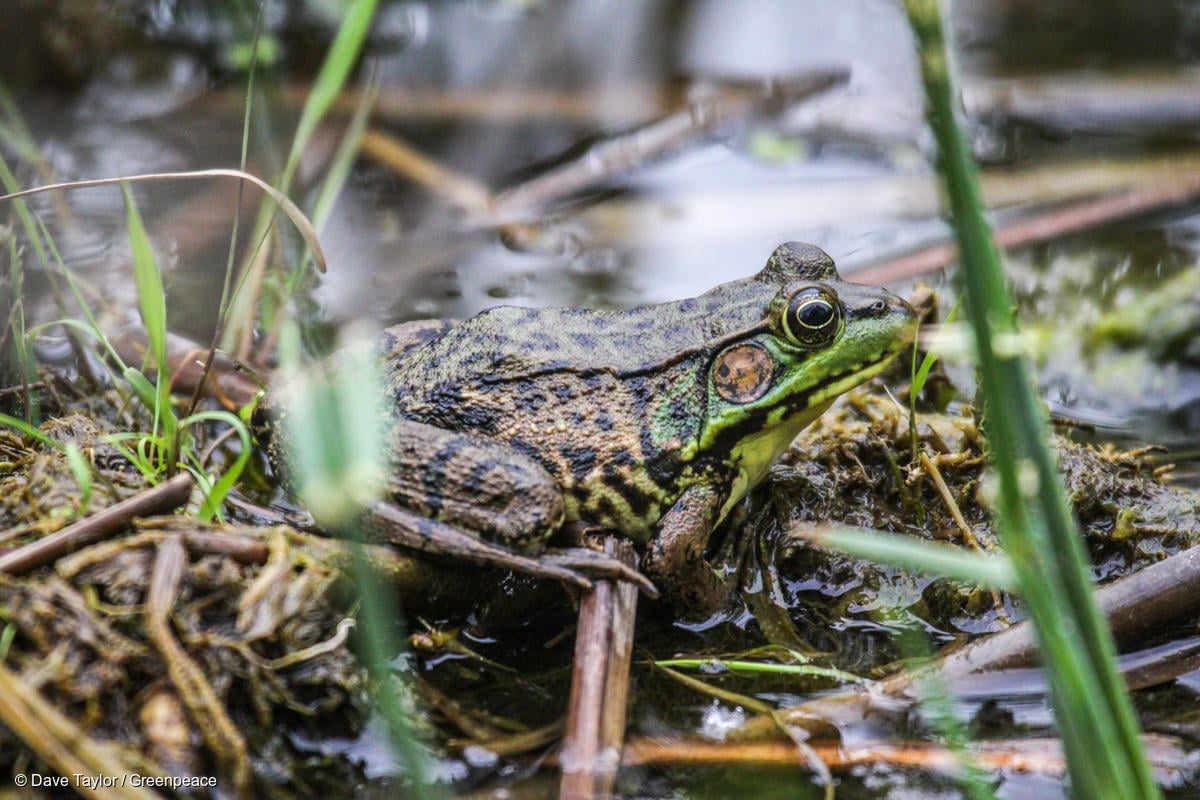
{"x": 481, "y": 486}
{"x": 466, "y": 496}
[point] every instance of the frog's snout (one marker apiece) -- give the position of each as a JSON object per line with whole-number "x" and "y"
{"x": 904, "y": 315}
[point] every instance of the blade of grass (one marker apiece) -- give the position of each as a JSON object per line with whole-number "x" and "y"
{"x": 9, "y": 181}
{"x": 22, "y": 351}
{"x": 152, "y": 305}
{"x": 82, "y": 472}
{"x": 765, "y": 667}
{"x": 220, "y": 489}
{"x": 152, "y": 295}
{"x": 332, "y": 427}
{"x": 293, "y": 212}
{"x": 921, "y": 373}
{"x": 1100, "y": 733}
{"x": 330, "y": 80}
{"x": 29, "y": 430}
{"x": 942, "y": 559}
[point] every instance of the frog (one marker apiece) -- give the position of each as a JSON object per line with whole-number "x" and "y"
{"x": 520, "y": 425}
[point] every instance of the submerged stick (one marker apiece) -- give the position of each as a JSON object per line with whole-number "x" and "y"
{"x": 1169, "y": 755}
{"x": 591, "y": 749}
{"x": 1133, "y": 606}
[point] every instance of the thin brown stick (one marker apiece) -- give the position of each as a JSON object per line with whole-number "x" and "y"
{"x": 220, "y": 734}
{"x": 66, "y": 748}
{"x": 1169, "y": 756}
{"x": 167, "y": 496}
{"x": 1074, "y": 218}
{"x": 968, "y": 535}
{"x": 457, "y": 189}
{"x": 493, "y": 104}
{"x": 204, "y": 542}
{"x": 599, "y": 685}
{"x": 1040, "y": 755}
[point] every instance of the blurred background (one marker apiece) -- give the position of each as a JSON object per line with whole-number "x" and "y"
{"x": 549, "y": 153}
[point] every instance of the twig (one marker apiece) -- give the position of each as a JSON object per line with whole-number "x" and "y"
{"x": 462, "y": 191}
{"x": 203, "y": 542}
{"x": 599, "y": 684}
{"x": 968, "y": 535}
{"x": 160, "y": 499}
{"x": 1168, "y": 754}
{"x": 1074, "y": 218}
{"x": 219, "y": 733}
{"x": 621, "y": 153}
{"x": 65, "y": 747}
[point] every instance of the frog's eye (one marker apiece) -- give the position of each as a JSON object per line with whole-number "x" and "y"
{"x": 813, "y": 317}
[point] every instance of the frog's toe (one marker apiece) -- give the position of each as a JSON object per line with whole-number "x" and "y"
{"x": 598, "y": 565}
{"x": 405, "y": 528}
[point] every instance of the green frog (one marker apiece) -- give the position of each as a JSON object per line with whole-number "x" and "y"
{"x": 652, "y": 422}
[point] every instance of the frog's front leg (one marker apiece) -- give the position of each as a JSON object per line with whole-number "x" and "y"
{"x": 675, "y": 559}
{"x": 465, "y": 496}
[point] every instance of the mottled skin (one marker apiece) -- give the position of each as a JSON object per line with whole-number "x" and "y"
{"x": 651, "y": 422}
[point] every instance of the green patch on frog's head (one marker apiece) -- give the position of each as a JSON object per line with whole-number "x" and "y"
{"x": 820, "y": 337}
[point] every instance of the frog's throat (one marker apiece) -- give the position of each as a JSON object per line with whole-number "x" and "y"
{"x": 755, "y": 453}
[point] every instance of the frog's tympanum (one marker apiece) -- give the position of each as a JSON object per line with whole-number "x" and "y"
{"x": 652, "y": 422}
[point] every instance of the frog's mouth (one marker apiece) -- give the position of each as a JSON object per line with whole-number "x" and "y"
{"x": 819, "y": 397}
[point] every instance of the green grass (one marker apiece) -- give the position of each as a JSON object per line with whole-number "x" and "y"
{"x": 269, "y": 308}
{"x": 994, "y": 570}
{"x": 1092, "y": 709}
{"x": 760, "y": 667}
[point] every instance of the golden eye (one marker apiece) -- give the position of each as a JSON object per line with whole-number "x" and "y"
{"x": 813, "y": 317}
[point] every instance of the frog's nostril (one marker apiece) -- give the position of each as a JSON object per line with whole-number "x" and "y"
{"x": 878, "y": 307}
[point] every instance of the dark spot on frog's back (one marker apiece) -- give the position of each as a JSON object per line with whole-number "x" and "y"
{"x": 621, "y": 459}
{"x": 400, "y": 339}
{"x": 448, "y": 406}
{"x": 582, "y": 459}
{"x": 583, "y": 340}
{"x": 544, "y": 340}
{"x": 565, "y": 392}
